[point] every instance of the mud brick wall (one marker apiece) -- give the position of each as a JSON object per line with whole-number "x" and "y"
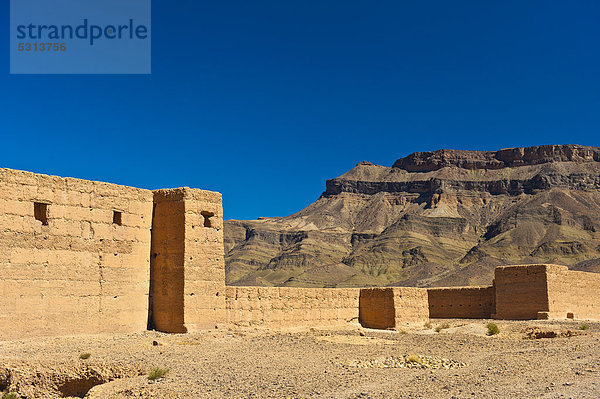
{"x": 187, "y": 264}
{"x": 462, "y": 302}
{"x": 78, "y": 256}
{"x": 376, "y": 308}
{"x": 291, "y": 307}
{"x": 574, "y": 293}
{"x": 410, "y": 305}
{"x": 522, "y": 291}
{"x": 392, "y": 307}
{"x": 82, "y": 268}
{"x": 166, "y": 262}
{"x": 204, "y": 260}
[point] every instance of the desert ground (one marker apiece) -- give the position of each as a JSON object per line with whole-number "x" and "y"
{"x": 459, "y": 360}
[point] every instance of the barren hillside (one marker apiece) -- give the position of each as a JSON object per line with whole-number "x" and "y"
{"x": 445, "y": 217}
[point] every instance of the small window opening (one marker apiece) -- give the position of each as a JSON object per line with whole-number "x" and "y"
{"x": 117, "y": 218}
{"x": 40, "y": 212}
{"x": 207, "y": 216}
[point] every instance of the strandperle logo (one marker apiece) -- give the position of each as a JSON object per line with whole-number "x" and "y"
{"x": 85, "y": 31}
{"x": 80, "y": 37}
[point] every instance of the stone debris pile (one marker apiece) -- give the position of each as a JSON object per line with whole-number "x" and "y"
{"x": 538, "y": 333}
{"x": 408, "y": 361}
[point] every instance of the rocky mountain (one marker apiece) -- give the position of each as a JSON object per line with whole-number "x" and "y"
{"x": 440, "y": 218}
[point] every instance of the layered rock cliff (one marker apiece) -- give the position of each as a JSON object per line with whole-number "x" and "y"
{"x": 445, "y": 217}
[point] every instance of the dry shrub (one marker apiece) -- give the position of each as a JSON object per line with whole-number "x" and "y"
{"x": 157, "y": 373}
{"x": 413, "y": 359}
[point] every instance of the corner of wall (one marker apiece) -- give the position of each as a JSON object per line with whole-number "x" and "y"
{"x": 188, "y": 267}
{"x": 522, "y": 291}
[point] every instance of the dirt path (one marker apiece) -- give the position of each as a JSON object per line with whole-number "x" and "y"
{"x": 255, "y": 363}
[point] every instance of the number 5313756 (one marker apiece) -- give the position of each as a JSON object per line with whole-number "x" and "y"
{"x": 42, "y": 47}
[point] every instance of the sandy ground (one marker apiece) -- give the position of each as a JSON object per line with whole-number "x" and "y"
{"x": 260, "y": 363}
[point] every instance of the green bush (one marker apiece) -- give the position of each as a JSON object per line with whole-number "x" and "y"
{"x": 84, "y": 356}
{"x": 492, "y": 329}
{"x": 10, "y": 395}
{"x": 157, "y": 373}
{"x": 584, "y": 327}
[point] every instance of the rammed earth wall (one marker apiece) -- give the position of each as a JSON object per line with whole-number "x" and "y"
{"x": 78, "y": 256}
{"x": 522, "y": 291}
{"x": 392, "y": 308}
{"x": 291, "y": 307}
{"x": 546, "y": 291}
{"x": 462, "y": 302}
{"x": 187, "y": 262}
{"x": 80, "y": 269}
{"x": 573, "y": 294}
{"x": 75, "y": 257}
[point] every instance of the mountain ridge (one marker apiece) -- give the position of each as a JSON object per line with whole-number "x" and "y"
{"x": 432, "y": 216}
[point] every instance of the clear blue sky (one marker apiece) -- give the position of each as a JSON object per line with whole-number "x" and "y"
{"x": 264, "y": 100}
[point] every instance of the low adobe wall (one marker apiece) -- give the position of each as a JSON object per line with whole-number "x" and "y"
{"x": 291, "y": 307}
{"x": 462, "y": 302}
{"x": 573, "y": 294}
{"x": 386, "y": 308}
{"x": 74, "y": 256}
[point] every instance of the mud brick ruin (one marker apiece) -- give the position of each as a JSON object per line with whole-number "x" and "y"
{"x": 78, "y": 256}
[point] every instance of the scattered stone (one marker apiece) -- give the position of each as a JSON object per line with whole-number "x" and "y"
{"x": 408, "y": 361}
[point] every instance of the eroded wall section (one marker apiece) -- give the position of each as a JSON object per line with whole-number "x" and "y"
{"x": 74, "y": 256}
{"x": 462, "y": 302}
